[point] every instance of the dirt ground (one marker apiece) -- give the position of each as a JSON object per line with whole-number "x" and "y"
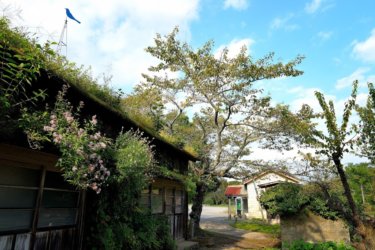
{"x": 218, "y": 234}
{"x": 226, "y": 242}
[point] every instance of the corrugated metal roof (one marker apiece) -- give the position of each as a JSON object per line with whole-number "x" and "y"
{"x": 233, "y": 191}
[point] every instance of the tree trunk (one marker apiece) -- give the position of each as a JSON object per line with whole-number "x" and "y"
{"x": 356, "y": 220}
{"x": 196, "y": 209}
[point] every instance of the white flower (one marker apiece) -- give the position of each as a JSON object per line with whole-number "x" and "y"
{"x": 93, "y": 120}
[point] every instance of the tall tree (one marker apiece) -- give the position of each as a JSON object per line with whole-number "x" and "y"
{"x": 367, "y": 114}
{"x": 143, "y": 109}
{"x": 230, "y": 112}
{"x": 337, "y": 141}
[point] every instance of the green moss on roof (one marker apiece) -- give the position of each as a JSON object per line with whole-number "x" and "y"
{"x": 80, "y": 78}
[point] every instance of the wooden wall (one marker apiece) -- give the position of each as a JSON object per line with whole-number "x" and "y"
{"x": 38, "y": 209}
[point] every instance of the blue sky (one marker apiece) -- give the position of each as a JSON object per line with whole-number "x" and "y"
{"x": 334, "y": 36}
{"x": 337, "y": 37}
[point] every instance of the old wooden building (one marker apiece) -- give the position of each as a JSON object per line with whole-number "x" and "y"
{"x": 39, "y": 210}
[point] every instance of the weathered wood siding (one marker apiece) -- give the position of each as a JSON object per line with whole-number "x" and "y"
{"x": 38, "y": 209}
{"x": 168, "y": 197}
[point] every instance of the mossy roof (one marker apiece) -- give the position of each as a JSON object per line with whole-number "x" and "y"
{"x": 67, "y": 72}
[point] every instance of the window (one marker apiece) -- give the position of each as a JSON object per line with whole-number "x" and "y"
{"x": 169, "y": 197}
{"x": 145, "y": 198}
{"x": 59, "y": 206}
{"x": 179, "y": 201}
{"x": 18, "y": 193}
{"x": 157, "y": 200}
{"x": 20, "y": 189}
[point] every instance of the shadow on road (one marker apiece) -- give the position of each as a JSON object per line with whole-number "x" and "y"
{"x": 218, "y": 234}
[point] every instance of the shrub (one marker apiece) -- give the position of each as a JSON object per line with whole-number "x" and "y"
{"x": 287, "y": 199}
{"x": 117, "y": 220}
{"x": 283, "y": 199}
{"x": 329, "y": 245}
{"x": 82, "y": 147}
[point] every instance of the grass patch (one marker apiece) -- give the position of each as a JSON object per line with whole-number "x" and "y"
{"x": 256, "y": 225}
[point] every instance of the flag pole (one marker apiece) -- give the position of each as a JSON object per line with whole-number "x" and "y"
{"x": 64, "y": 34}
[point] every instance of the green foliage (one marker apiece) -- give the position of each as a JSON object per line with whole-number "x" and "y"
{"x": 335, "y": 144}
{"x": 367, "y": 128}
{"x": 283, "y": 199}
{"x": 117, "y": 220}
{"x": 133, "y": 156}
{"x": 82, "y": 147}
{"x": 361, "y": 178}
{"x": 257, "y": 225}
{"x": 82, "y": 78}
{"x": 229, "y": 110}
{"x": 329, "y": 245}
{"x": 217, "y": 197}
{"x": 337, "y": 141}
{"x": 319, "y": 205}
{"x": 287, "y": 199}
{"x": 143, "y": 109}
{"x": 21, "y": 61}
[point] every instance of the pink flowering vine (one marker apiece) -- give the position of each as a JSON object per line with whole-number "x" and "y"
{"x": 81, "y": 146}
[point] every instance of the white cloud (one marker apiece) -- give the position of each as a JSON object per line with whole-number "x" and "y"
{"x": 306, "y": 96}
{"x": 284, "y": 23}
{"x": 313, "y": 6}
{"x": 325, "y": 35}
{"x": 236, "y": 4}
{"x": 295, "y": 90}
{"x": 347, "y": 81}
{"x": 319, "y": 5}
{"x": 234, "y": 47}
{"x": 113, "y": 34}
{"x": 365, "y": 50}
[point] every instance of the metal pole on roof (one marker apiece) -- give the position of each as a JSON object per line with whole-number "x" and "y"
{"x": 63, "y": 41}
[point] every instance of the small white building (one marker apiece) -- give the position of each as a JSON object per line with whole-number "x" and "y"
{"x": 258, "y": 184}
{"x": 237, "y": 200}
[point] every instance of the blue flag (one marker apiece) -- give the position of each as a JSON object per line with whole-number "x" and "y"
{"x": 69, "y": 14}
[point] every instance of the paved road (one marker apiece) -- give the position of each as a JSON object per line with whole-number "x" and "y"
{"x": 215, "y": 219}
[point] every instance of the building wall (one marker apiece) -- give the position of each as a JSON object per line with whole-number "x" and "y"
{"x": 38, "y": 209}
{"x": 169, "y": 197}
{"x": 254, "y": 208}
{"x": 313, "y": 228}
